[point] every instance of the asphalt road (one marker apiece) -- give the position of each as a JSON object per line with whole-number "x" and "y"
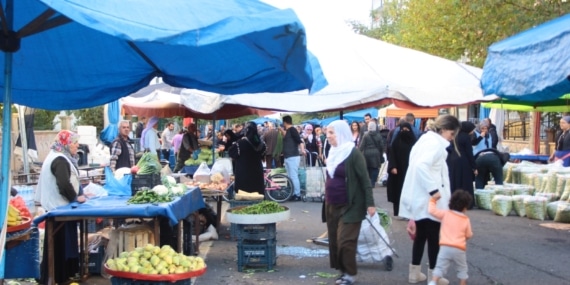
{"x": 504, "y": 250}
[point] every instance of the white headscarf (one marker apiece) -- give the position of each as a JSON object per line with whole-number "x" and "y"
{"x": 345, "y": 144}
{"x": 149, "y": 125}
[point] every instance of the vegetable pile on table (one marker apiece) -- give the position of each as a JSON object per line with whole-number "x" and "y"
{"x": 148, "y": 164}
{"x": 265, "y": 207}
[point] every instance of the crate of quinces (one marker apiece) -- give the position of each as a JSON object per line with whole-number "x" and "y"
{"x": 154, "y": 265}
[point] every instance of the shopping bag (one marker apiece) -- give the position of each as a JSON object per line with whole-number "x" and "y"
{"x": 373, "y": 241}
{"x": 315, "y": 181}
{"x": 117, "y": 187}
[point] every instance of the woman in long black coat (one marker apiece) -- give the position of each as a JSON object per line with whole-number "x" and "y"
{"x": 248, "y": 153}
{"x": 461, "y": 162}
{"x": 398, "y": 159}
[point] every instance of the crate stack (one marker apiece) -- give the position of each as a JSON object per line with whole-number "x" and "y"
{"x": 238, "y": 203}
{"x": 256, "y": 246}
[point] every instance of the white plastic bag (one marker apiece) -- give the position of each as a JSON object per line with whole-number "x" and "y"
{"x": 371, "y": 248}
{"x": 202, "y": 174}
{"x": 224, "y": 167}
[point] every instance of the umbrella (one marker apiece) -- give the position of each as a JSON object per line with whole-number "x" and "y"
{"x": 531, "y": 66}
{"x": 75, "y": 54}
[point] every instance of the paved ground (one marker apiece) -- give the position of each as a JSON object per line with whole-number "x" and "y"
{"x": 504, "y": 250}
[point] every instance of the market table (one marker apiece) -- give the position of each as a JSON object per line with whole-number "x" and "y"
{"x": 117, "y": 207}
{"x": 530, "y": 157}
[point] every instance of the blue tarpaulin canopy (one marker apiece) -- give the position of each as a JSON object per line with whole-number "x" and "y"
{"x": 71, "y": 54}
{"x": 532, "y": 66}
{"x": 357, "y": 116}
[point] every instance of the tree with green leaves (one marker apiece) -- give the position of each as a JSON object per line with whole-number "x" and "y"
{"x": 456, "y": 28}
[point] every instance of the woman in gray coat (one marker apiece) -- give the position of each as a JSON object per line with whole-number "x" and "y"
{"x": 372, "y": 147}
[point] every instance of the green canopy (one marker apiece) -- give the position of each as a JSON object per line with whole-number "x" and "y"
{"x": 561, "y": 104}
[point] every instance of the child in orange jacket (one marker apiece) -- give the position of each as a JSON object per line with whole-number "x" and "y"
{"x": 453, "y": 235}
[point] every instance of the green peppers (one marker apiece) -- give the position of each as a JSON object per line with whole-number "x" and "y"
{"x": 146, "y": 195}
{"x": 265, "y": 207}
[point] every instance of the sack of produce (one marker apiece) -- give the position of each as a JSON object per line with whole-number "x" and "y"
{"x": 246, "y": 196}
{"x": 535, "y": 207}
{"x": 483, "y": 198}
{"x": 506, "y": 191}
{"x": 522, "y": 189}
{"x": 562, "y": 212}
{"x": 518, "y": 204}
{"x": 202, "y": 174}
{"x": 550, "y": 197}
{"x": 566, "y": 192}
{"x": 551, "y": 208}
{"x": 502, "y": 205}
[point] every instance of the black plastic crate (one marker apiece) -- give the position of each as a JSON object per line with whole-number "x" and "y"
{"x": 257, "y": 254}
{"x": 169, "y": 236}
{"x": 144, "y": 180}
{"x": 127, "y": 281}
{"x": 96, "y": 260}
{"x": 256, "y": 232}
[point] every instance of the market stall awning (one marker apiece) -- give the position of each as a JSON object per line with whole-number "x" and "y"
{"x": 392, "y": 111}
{"x": 561, "y": 104}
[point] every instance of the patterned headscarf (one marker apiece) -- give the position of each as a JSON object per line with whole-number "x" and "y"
{"x": 61, "y": 144}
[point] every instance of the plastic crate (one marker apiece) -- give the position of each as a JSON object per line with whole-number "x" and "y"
{"x": 96, "y": 260}
{"x": 256, "y": 254}
{"x": 144, "y": 180}
{"x": 256, "y": 232}
{"x": 126, "y": 281}
{"x": 237, "y": 203}
{"x": 23, "y": 260}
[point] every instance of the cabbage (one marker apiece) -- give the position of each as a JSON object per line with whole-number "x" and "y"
{"x": 160, "y": 190}
{"x": 176, "y": 190}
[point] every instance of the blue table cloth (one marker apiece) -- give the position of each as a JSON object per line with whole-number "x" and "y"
{"x": 116, "y": 206}
{"x": 530, "y": 157}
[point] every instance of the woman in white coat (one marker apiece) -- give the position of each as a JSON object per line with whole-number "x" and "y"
{"x": 427, "y": 174}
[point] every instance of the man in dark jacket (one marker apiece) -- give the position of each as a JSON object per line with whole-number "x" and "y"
{"x": 493, "y": 133}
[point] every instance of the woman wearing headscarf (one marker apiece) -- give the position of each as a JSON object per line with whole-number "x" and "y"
{"x": 312, "y": 144}
{"x": 461, "y": 162}
{"x": 149, "y": 137}
{"x": 248, "y": 153}
{"x": 427, "y": 174}
{"x": 562, "y": 150}
{"x": 398, "y": 159}
{"x": 59, "y": 185}
{"x": 372, "y": 147}
{"x": 348, "y": 199}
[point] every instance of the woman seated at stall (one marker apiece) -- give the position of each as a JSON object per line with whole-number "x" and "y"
{"x": 562, "y": 150}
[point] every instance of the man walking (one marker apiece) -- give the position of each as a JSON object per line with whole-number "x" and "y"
{"x": 167, "y": 137}
{"x": 292, "y": 143}
{"x": 122, "y": 152}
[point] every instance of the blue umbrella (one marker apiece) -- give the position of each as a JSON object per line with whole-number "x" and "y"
{"x": 531, "y": 66}
{"x": 71, "y": 54}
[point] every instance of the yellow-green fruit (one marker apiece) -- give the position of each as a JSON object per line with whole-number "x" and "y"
{"x": 134, "y": 254}
{"x": 172, "y": 268}
{"x": 154, "y": 260}
{"x": 164, "y": 271}
{"x": 162, "y": 254}
{"x": 149, "y": 247}
{"x": 179, "y": 270}
{"x": 124, "y": 254}
{"x": 153, "y": 271}
{"x": 159, "y": 267}
{"x": 168, "y": 259}
{"x": 156, "y": 250}
{"x": 132, "y": 260}
{"x": 176, "y": 260}
{"x": 147, "y": 254}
